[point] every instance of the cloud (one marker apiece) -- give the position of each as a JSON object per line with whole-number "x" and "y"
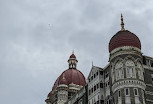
{"x": 38, "y": 36}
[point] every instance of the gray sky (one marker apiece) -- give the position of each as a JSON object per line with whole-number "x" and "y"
{"x": 38, "y": 36}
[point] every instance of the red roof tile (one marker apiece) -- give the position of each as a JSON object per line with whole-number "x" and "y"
{"x": 124, "y": 38}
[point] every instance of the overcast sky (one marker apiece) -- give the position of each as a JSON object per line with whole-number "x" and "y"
{"x": 38, "y": 36}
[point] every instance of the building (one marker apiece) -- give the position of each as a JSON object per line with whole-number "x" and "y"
{"x": 67, "y": 84}
{"x": 95, "y": 84}
{"x": 98, "y": 85}
{"x": 81, "y": 97}
{"x": 128, "y": 77}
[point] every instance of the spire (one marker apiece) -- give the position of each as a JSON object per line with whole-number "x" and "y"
{"x": 122, "y": 23}
{"x": 73, "y": 52}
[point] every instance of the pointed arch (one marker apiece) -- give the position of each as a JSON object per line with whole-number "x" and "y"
{"x": 117, "y": 60}
{"x": 139, "y": 60}
{"x": 140, "y": 71}
{"x": 129, "y": 57}
{"x": 118, "y": 71}
{"x": 130, "y": 67}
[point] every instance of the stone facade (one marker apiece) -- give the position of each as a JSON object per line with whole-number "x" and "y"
{"x": 81, "y": 97}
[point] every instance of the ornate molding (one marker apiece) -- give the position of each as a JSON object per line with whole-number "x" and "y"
{"x": 125, "y": 50}
{"x": 149, "y": 100}
{"x": 148, "y": 67}
{"x": 148, "y": 92}
{"x": 128, "y": 83}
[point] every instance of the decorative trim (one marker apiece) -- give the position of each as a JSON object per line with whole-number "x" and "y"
{"x": 125, "y": 48}
{"x": 148, "y": 57}
{"x": 148, "y": 92}
{"x": 149, "y": 100}
{"x": 128, "y": 83}
{"x": 149, "y": 85}
{"x": 62, "y": 85}
{"x": 148, "y": 67}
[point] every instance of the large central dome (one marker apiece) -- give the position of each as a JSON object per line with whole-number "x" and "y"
{"x": 71, "y": 75}
{"x": 124, "y": 38}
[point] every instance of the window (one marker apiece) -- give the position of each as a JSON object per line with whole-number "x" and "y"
{"x": 91, "y": 78}
{"x": 94, "y": 75}
{"x": 89, "y": 91}
{"x": 101, "y": 85}
{"x": 97, "y": 73}
{"x": 92, "y": 90}
{"x": 119, "y": 93}
{"x": 94, "y": 87}
{"x": 126, "y": 91}
{"x": 106, "y": 75}
{"x": 101, "y": 72}
{"x": 119, "y": 72}
{"x": 105, "y": 84}
{"x": 107, "y": 101}
{"x": 140, "y": 71}
{"x": 135, "y": 91}
{"x": 130, "y": 69}
{"x": 144, "y": 60}
{"x": 151, "y": 64}
{"x": 97, "y": 85}
{"x": 101, "y": 101}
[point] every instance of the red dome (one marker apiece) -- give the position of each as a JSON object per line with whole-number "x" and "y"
{"x": 49, "y": 94}
{"x": 70, "y": 76}
{"x": 72, "y": 56}
{"x": 124, "y": 38}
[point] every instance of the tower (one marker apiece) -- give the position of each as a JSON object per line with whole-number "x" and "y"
{"x": 72, "y": 61}
{"x": 67, "y": 84}
{"x": 127, "y": 72}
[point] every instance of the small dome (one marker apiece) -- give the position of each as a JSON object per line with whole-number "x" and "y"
{"x": 63, "y": 80}
{"x": 70, "y": 76}
{"x": 72, "y": 56}
{"x": 124, "y": 38}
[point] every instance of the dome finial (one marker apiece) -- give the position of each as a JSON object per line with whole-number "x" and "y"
{"x": 122, "y": 23}
{"x": 73, "y": 52}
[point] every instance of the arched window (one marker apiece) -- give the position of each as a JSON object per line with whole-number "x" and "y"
{"x": 119, "y": 72}
{"x": 130, "y": 69}
{"x": 140, "y": 71}
{"x": 151, "y": 64}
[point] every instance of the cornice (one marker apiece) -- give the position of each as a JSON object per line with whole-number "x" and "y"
{"x": 125, "y": 50}
{"x": 128, "y": 83}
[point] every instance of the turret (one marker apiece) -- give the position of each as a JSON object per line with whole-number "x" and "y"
{"x": 126, "y": 67}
